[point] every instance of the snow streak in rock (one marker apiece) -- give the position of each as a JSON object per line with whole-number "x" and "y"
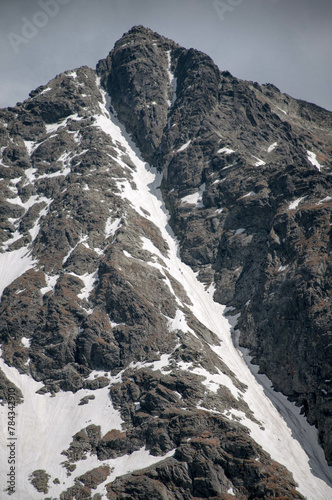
{"x": 48, "y": 423}
{"x": 172, "y": 79}
{"x": 312, "y": 157}
{"x": 273, "y": 433}
{"x": 12, "y": 265}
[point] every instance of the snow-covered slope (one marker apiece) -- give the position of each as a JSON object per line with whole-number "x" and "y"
{"x": 46, "y": 423}
{"x": 274, "y": 432}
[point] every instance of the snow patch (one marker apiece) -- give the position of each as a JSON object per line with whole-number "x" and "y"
{"x": 312, "y": 157}
{"x": 30, "y": 174}
{"x": 114, "y": 325}
{"x": 35, "y": 229}
{"x": 195, "y": 198}
{"x": 228, "y": 166}
{"x": 14, "y": 183}
{"x": 12, "y": 265}
{"x": 30, "y": 146}
{"x": 112, "y": 227}
{"x": 89, "y": 283}
{"x": 71, "y": 74}
{"x": 212, "y": 381}
{"x": 31, "y": 201}
{"x": 295, "y": 204}
{"x": 172, "y": 80}
{"x": 126, "y": 464}
{"x": 25, "y": 342}
{"x": 184, "y": 147}
{"x": 14, "y": 237}
{"x": 239, "y": 231}
{"x": 178, "y": 323}
{"x": 272, "y": 147}
{"x": 226, "y": 151}
{"x": 51, "y": 281}
{"x": 45, "y": 426}
{"x": 259, "y": 162}
{"x": 153, "y": 365}
{"x": 252, "y": 193}
{"x": 324, "y": 200}
{"x": 45, "y": 90}
{"x": 53, "y": 127}
{"x": 282, "y": 110}
{"x": 82, "y": 239}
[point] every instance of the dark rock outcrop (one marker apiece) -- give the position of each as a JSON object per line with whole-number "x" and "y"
{"x": 261, "y": 229}
{"x": 96, "y": 305}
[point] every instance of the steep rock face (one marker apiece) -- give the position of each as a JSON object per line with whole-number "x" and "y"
{"x": 97, "y": 306}
{"x": 134, "y": 65}
{"x": 91, "y": 303}
{"x": 247, "y": 177}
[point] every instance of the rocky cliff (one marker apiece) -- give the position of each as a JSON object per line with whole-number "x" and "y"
{"x": 247, "y": 180}
{"x": 131, "y": 198}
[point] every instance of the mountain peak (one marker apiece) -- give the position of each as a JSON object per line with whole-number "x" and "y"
{"x": 141, "y": 34}
{"x": 146, "y": 249}
{"x": 141, "y": 30}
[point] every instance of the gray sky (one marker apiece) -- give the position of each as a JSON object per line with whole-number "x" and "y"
{"x": 284, "y": 42}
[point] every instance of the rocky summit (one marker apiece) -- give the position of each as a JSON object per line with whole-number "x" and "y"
{"x": 165, "y": 272}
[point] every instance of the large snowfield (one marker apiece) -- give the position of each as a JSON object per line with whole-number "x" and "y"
{"x": 45, "y": 424}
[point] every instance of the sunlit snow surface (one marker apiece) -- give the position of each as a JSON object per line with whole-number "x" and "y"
{"x": 276, "y": 438}
{"x": 45, "y": 425}
{"x": 259, "y": 162}
{"x": 195, "y": 198}
{"x": 295, "y": 204}
{"x": 272, "y": 147}
{"x": 183, "y": 147}
{"x": 172, "y": 80}
{"x": 225, "y": 150}
{"x": 312, "y": 157}
{"x": 12, "y": 265}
